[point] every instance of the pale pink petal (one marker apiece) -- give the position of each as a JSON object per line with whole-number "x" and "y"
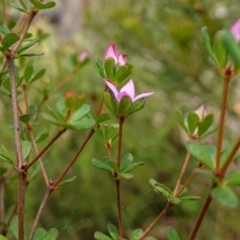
{"x": 113, "y": 88}
{"x": 235, "y": 30}
{"x": 111, "y": 52}
{"x": 83, "y": 55}
{"x": 129, "y": 89}
{"x": 142, "y": 95}
{"x": 122, "y": 59}
{"x": 123, "y": 94}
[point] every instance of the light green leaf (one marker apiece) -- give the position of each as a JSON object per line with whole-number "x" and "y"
{"x": 5, "y": 155}
{"x": 233, "y": 179}
{"x": 69, "y": 180}
{"x": 172, "y": 234}
{"x": 26, "y": 148}
{"x": 101, "y": 236}
{"x": 102, "y": 164}
{"x": 113, "y": 231}
{"x": 136, "y": 234}
{"x": 41, "y": 6}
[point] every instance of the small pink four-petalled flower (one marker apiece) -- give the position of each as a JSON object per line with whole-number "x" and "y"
{"x": 235, "y": 30}
{"x": 111, "y": 51}
{"x": 127, "y": 90}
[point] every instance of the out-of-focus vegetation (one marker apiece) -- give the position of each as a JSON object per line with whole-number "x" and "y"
{"x": 163, "y": 40}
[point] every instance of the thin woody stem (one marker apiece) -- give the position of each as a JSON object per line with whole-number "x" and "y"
{"x": 186, "y": 161}
{"x": 39, "y": 213}
{"x": 157, "y": 219}
{"x": 59, "y": 133}
{"x": 227, "y": 78}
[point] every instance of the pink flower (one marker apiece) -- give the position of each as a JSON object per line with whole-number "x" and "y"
{"x": 111, "y": 51}
{"x": 83, "y": 55}
{"x": 235, "y": 30}
{"x": 127, "y": 90}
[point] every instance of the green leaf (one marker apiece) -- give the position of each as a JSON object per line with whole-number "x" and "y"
{"x": 102, "y": 164}
{"x": 219, "y": 50}
{"x": 14, "y": 226}
{"x": 84, "y": 123}
{"x": 114, "y": 166}
{"x": 69, "y": 180}
{"x": 225, "y": 196}
{"x": 103, "y": 117}
{"x": 26, "y": 46}
{"x": 14, "y": 5}
{"x": 123, "y": 73}
{"x": 225, "y": 154}
{"x": 108, "y": 132}
{"x": 191, "y": 121}
{"x": 61, "y": 108}
{"x": 33, "y": 109}
{"x": 123, "y": 106}
{"x": 26, "y": 148}
{"x": 191, "y": 198}
{"x": 205, "y": 124}
{"x": 113, "y": 231}
{"x": 207, "y": 45}
{"x": 109, "y": 67}
{"x": 136, "y": 234}
{"x": 126, "y": 175}
{"x": 126, "y": 160}
{"x": 172, "y": 234}
{"x": 137, "y": 106}
{"x": 3, "y": 238}
{"x": 205, "y": 154}
{"x": 41, "y": 6}
{"x": 25, "y": 118}
{"x": 80, "y": 113}
{"x": 28, "y": 73}
{"x": 101, "y": 236}
{"x": 42, "y": 135}
{"x": 42, "y": 234}
{"x": 109, "y": 102}
{"x": 9, "y": 40}
{"x": 5, "y": 155}
{"x": 23, "y": 4}
{"x": 231, "y": 47}
{"x": 132, "y": 167}
{"x": 174, "y": 199}
{"x": 31, "y": 55}
{"x": 4, "y": 29}
{"x": 233, "y": 179}
{"x": 38, "y": 75}
{"x": 160, "y": 188}
{"x": 180, "y": 120}
{"x": 50, "y": 118}
{"x": 100, "y": 68}
{"x": 207, "y": 172}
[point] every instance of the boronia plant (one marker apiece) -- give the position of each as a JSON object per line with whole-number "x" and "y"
{"x": 118, "y": 103}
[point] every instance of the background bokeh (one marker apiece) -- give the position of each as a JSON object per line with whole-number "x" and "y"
{"x": 163, "y": 41}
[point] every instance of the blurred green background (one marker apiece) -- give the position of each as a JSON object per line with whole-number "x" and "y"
{"x": 163, "y": 41}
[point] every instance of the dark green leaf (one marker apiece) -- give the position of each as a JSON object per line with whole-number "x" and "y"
{"x": 41, "y": 6}
{"x": 132, "y": 167}
{"x": 103, "y": 117}
{"x": 26, "y": 46}
{"x": 25, "y": 118}
{"x": 109, "y": 67}
{"x": 231, "y": 47}
{"x": 38, "y": 75}
{"x": 219, "y": 50}
{"x": 31, "y": 55}
{"x": 172, "y": 234}
{"x": 191, "y": 121}
{"x": 191, "y": 198}
{"x": 233, "y": 179}
{"x": 109, "y": 102}
{"x": 42, "y": 135}
{"x": 225, "y": 196}
{"x": 114, "y": 166}
{"x": 137, "y": 105}
{"x": 69, "y": 180}
{"x": 102, "y": 164}
{"x": 205, "y": 154}
{"x": 205, "y": 124}
{"x": 126, "y": 160}
{"x": 9, "y": 40}
{"x": 101, "y": 236}
{"x": 100, "y": 68}
{"x": 26, "y": 148}
{"x": 28, "y": 73}
{"x": 5, "y": 155}
{"x": 123, "y": 106}
{"x": 123, "y": 73}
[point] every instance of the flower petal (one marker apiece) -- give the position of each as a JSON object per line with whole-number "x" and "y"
{"x": 129, "y": 89}
{"x": 122, "y": 59}
{"x": 113, "y": 88}
{"x": 142, "y": 95}
{"x": 235, "y": 30}
{"x": 111, "y": 52}
{"x": 123, "y": 94}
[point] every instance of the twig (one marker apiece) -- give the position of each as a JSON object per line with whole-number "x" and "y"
{"x": 59, "y": 133}
{"x": 40, "y": 210}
